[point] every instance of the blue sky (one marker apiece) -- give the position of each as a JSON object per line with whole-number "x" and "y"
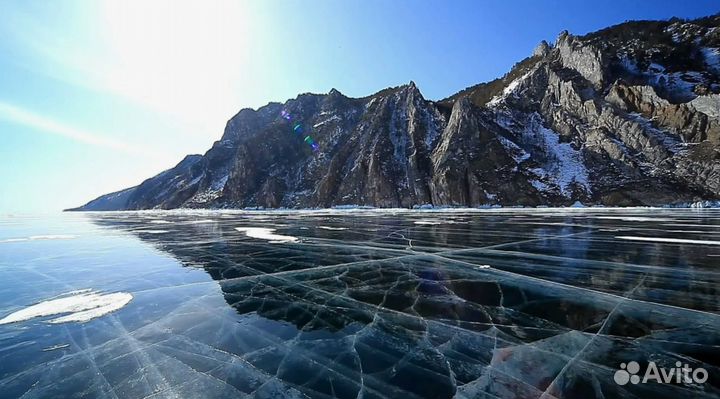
{"x": 97, "y": 96}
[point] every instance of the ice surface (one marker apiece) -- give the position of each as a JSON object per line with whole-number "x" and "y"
{"x": 495, "y": 303}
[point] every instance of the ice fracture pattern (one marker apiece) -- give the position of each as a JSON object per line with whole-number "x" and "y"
{"x": 502, "y": 303}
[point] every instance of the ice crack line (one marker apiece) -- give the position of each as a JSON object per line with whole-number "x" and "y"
{"x": 552, "y": 385}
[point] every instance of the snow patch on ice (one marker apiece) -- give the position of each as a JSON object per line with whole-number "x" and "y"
{"x": 152, "y": 231}
{"x": 266, "y": 234}
{"x": 82, "y": 306}
{"x": 635, "y": 219}
{"x": 668, "y": 240}
{"x": 428, "y": 222}
{"x": 53, "y": 237}
{"x": 40, "y": 238}
{"x": 332, "y": 228}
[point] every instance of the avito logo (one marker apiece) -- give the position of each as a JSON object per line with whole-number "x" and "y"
{"x": 678, "y": 374}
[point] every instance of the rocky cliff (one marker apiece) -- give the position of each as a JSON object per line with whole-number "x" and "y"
{"x": 629, "y": 115}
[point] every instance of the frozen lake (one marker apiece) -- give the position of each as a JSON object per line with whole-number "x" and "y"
{"x": 365, "y": 304}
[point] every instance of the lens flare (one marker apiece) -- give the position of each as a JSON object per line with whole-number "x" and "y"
{"x": 297, "y": 127}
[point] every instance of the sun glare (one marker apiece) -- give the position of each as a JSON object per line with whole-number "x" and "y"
{"x": 185, "y": 58}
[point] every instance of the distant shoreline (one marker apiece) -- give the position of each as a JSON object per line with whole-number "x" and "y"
{"x": 494, "y": 208}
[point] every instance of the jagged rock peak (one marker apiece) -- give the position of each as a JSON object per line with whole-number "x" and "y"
{"x": 542, "y": 49}
{"x": 563, "y": 36}
{"x": 413, "y": 89}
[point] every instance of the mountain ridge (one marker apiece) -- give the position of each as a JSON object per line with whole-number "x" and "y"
{"x": 628, "y": 115}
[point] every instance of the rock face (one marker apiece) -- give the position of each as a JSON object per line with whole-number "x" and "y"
{"x": 629, "y": 115}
